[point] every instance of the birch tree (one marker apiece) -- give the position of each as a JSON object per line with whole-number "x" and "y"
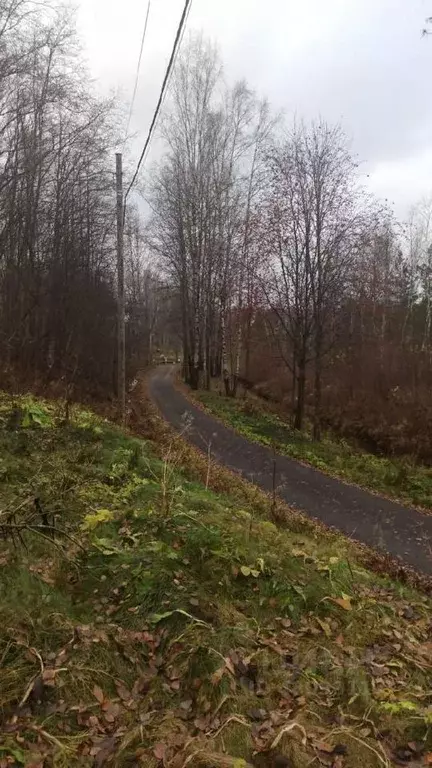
{"x": 313, "y": 223}
{"x": 200, "y": 200}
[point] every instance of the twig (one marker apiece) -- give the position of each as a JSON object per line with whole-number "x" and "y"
{"x": 382, "y": 759}
{"x": 28, "y": 691}
{"x": 191, "y": 757}
{"x": 20, "y": 506}
{"x": 231, "y": 719}
{"x": 223, "y": 701}
{"x": 48, "y": 736}
{"x": 38, "y": 656}
{"x": 38, "y": 530}
{"x": 287, "y": 729}
{"x": 352, "y": 574}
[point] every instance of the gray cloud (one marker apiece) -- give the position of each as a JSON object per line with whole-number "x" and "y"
{"x": 360, "y": 62}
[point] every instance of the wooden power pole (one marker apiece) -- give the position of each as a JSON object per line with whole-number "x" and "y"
{"x": 121, "y": 342}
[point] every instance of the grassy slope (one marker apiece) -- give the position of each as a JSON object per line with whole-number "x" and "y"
{"x": 393, "y": 477}
{"x": 175, "y": 626}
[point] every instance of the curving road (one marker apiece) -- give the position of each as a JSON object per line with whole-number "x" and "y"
{"x": 382, "y": 524}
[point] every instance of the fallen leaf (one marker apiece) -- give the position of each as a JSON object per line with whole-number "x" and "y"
{"x": 201, "y": 723}
{"x": 48, "y": 676}
{"x": 230, "y": 665}
{"x": 217, "y": 676}
{"x": 338, "y": 762}
{"x": 123, "y": 692}
{"x": 106, "y": 748}
{"x": 159, "y": 751}
{"x": 98, "y": 694}
{"x": 324, "y": 626}
{"x": 344, "y": 602}
{"x": 112, "y": 711}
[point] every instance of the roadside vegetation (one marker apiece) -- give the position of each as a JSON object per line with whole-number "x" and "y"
{"x": 400, "y": 478}
{"x": 146, "y": 620}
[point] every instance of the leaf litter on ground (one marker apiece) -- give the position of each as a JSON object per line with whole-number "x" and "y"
{"x": 188, "y": 636}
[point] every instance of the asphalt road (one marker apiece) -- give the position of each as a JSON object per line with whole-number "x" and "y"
{"x": 378, "y": 522}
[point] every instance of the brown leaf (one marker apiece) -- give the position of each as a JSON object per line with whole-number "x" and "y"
{"x": 325, "y": 626}
{"x": 48, "y": 677}
{"x": 428, "y": 759}
{"x": 159, "y": 751}
{"x": 111, "y": 709}
{"x": 98, "y": 694}
{"x": 201, "y": 723}
{"x": 229, "y": 665}
{"x": 338, "y": 762}
{"x": 344, "y": 602}
{"x": 217, "y": 675}
{"x": 60, "y": 658}
{"x": 93, "y": 722}
{"x": 122, "y": 691}
{"x": 106, "y": 748}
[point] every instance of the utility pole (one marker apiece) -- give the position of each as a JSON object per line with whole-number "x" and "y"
{"x": 121, "y": 344}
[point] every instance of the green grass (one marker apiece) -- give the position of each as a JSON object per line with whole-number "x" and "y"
{"x": 166, "y": 614}
{"x": 399, "y": 478}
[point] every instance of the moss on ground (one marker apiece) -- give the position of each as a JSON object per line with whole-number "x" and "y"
{"x": 167, "y": 623}
{"x": 400, "y": 478}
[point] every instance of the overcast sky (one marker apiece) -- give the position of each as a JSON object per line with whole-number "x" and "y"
{"x": 359, "y": 62}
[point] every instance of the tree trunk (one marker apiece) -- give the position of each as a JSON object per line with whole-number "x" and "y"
{"x": 301, "y": 392}
{"x": 317, "y": 390}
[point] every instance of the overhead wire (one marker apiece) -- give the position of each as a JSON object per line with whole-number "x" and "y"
{"x": 177, "y": 41}
{"x": 137, "y": 70}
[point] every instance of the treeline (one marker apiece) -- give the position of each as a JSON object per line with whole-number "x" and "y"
{"x": 57, "y": 213}
{"x": 288, "y": 274}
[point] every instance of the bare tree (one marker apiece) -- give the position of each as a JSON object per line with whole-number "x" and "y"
{"x": 311, "y": 229}
{"x": 57, "y": 304}
{"x": 200, "y": 199}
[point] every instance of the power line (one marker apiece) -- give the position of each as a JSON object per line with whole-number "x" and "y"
{"x": 138, "y": 69}
{"x": 177, "y": 41}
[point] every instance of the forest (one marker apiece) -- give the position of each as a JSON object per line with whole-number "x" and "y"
{"x": 262, "y": 259}
{"x": 289, "y": 276}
